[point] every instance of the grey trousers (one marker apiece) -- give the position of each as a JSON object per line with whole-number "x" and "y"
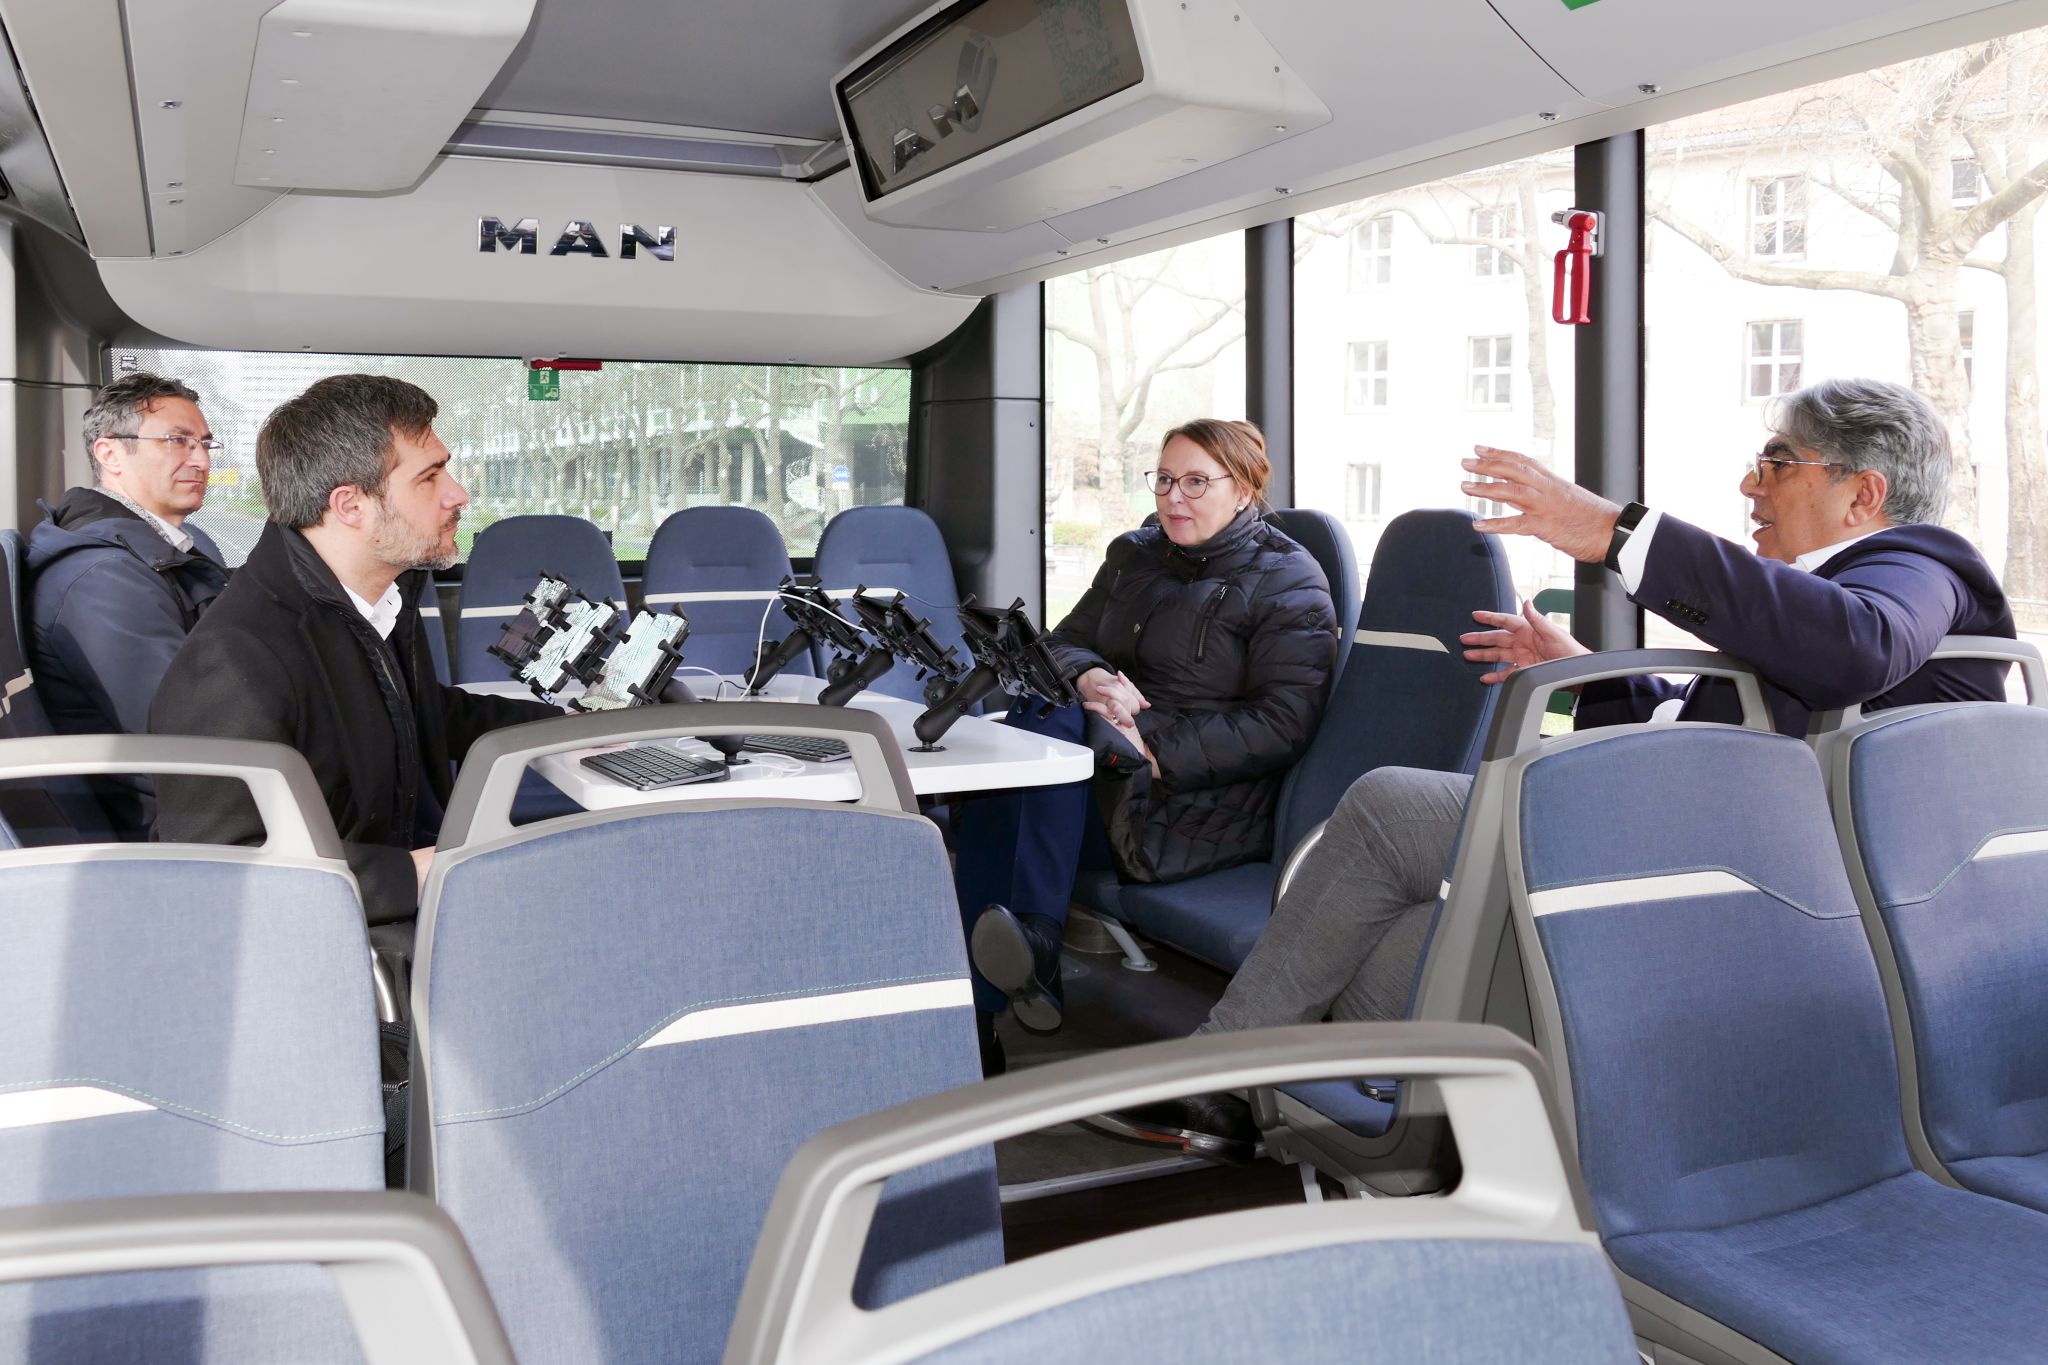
{"x": 1347, "y": 937}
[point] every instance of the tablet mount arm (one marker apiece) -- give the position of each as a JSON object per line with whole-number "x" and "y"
{"x": 1008, "y": 654}
{"x": 817, "y": 620}
{"x": 898, "y": 635}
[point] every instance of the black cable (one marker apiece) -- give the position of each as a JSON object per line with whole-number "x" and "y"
{"x": 47, "y": 383}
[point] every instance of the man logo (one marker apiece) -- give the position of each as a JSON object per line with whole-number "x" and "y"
{"x": 578, "y": 239}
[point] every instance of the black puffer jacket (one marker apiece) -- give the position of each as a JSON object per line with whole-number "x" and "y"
{"x": 1233, "y": 643}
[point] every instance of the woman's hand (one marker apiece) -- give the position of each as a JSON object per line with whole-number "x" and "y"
{"x": 1113, "y": 691}
{"x": 1126, "y": 726}
{"x": 1517, "y": 641}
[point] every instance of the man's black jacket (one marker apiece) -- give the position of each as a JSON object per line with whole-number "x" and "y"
{"x": 283, "y": 655}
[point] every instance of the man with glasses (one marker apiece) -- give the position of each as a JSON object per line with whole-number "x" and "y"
{"x": 116, "y": 577}
{"x": 1851, "y": 586}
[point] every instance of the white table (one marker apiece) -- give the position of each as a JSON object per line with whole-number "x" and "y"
{"x": 976, "y": 755}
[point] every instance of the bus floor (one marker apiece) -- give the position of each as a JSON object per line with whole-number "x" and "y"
{"x": 1070, "y": 1184}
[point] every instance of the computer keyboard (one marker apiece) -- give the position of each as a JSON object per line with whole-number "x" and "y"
{"x": 811, "y": 748}
{"x": 650, "y": 766}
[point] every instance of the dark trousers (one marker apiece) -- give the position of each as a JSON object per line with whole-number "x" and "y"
{"x": 1021, "y": 849}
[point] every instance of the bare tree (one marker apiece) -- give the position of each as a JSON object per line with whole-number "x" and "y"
{"x": 1910, "y": 120}
{"x": 1513, "y": 211}
{"x": 1130, "y": 355}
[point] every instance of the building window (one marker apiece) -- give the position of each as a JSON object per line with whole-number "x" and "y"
{"x": 1362, "y": 492}
{"x": 1773, "y": 359}
{"x": 1777, "y": 216}
{"x": 1492, "y": 372}
{"x": 1372, "y": 253}
{"x": 1497, "y": 223}
{"x": 1966, "y": 343}
{"x": 1965, "y": 181}
{"x": 1367, "y": 386}
{"x": 1485, "y": 508}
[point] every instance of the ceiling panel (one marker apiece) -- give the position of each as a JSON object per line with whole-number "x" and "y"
{"x": 1609, "y": 50}
{"x": 756, "y": 66}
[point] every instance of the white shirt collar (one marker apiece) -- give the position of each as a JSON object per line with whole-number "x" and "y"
{"x": 382, "y": 615}
{"x": 1812, "y": 560}
{"x": 175, "y": 536}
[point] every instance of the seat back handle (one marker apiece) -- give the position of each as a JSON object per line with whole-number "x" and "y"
{"x": 296, "y": 821}
{"x": 480, "y": 808}
{"x": 800, "y": 1285}
{"x": 1518, "y": 719}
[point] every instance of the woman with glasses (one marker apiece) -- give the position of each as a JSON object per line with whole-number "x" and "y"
{"x": 1202, "y": 654}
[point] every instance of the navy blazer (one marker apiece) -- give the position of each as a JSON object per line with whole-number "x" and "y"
{"x": 1858, "y": 629}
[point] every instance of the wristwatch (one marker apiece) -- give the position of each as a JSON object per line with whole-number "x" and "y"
{"x": 1631, "y": 516}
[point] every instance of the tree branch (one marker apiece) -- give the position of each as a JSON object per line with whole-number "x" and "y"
{"x": 1796, "y": 277}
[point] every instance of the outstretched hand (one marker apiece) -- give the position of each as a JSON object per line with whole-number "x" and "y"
{"x": 1551, "y": 508}
{"x": 1517, "y": 641}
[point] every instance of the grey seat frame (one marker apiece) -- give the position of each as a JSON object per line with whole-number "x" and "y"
{"x": 401, "y": 1270}
{"x": 797, "y": 1305}
{"x": 1836, "y": 735}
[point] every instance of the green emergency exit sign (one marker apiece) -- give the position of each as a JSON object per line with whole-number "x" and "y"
{"x": 544, "y": 386}
{"x": 1577, "y": 4}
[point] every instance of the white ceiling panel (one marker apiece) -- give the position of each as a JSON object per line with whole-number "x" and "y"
{"x": 754, "y": 66}
{"x": 1609, "y": 49}
{"x": 761, "y": 272}
{"x": 347, "y": 96}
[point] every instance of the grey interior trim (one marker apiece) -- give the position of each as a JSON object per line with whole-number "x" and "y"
{"x": 296, "y": 822}
{"x": 1518, "y": 718}
{"x": 480, "y": 809}
{"x": 797, "y": 1302}
{"x": 412, "y": 1290}
{"x": 1994, "y": 647}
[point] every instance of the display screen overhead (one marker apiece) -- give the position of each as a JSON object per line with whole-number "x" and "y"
{"x": 979, "y": 74}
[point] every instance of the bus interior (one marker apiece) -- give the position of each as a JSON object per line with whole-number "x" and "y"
{"x": 816, "y": 260}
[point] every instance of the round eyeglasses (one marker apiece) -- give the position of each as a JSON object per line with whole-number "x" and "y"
{"x": 1192, "y": 486}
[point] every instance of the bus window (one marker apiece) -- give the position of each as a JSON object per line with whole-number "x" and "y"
{"x": 1132, "y": 350}
{"x": 1821, "y": 233}
{"x": 623, "y": 446}
{"x": 1421, "y": 327}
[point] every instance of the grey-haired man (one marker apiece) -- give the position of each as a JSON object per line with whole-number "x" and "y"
{"x": 116, "y": 576}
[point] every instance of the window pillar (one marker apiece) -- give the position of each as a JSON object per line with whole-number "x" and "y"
{"x": 1610, "y": 374}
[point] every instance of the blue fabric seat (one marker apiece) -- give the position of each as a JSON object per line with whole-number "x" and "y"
{"x": 897, "y": 548}
{"x": 184, "y": 1021}
{"x": 738, "y": 978}
{"x": 1405, "y": 698}
{"x": 1324, "y": 537}
{"x": 1945, "y": 809}
{"x": 505, "y": 560}
{"x": 1720, "y": 1032}
{"x": 722, "y": 566}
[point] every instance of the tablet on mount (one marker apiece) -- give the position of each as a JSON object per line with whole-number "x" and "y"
{"x": 641, "y": 665}
{"x": 571, "y": 650}
{"x": 817, "y": 621}
{"x": 899, "y": 634}
{"x": 1009, "y": 654}
{"x": 540, "y": 618}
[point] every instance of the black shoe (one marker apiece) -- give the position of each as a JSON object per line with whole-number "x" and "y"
{"x": 1020, "y": 956}
{"x": 1217, "y": 1126}
{"x": 993, "y": 1060}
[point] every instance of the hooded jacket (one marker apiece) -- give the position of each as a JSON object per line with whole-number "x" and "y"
{"x": 1233, "y": 642}
{"x": 283, "y": 655}
{"x": 109, "y": 603}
